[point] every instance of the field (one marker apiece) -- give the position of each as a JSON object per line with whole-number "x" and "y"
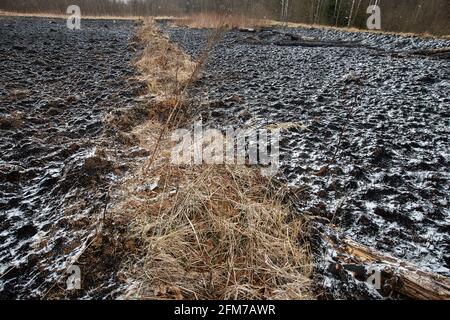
{"x": 86, "y": 118}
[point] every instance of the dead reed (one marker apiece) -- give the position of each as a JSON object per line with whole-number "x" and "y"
{"x": 208, "y": 231}
{"x": 214, "y": 21}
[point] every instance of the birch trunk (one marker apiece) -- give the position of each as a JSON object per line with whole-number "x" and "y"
{"x": 319, "y": 3}
{"x": 351, "y": 14}
{"x": 338, "y": 12}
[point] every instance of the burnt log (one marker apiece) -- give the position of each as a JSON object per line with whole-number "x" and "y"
{"x": 396, "y": 275}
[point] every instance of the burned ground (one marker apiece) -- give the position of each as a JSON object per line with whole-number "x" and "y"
{"x": 366, "y": 128}
{"x": 365, "y": 138}
{"x": 60, "y": 153}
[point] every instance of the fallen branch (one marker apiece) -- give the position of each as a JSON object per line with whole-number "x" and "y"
{"x": 397, "y": 275}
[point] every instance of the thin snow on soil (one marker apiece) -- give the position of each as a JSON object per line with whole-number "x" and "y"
{"x": 388, "y": 182}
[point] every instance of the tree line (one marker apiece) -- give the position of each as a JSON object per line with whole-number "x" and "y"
{"x": 419, "y": 16}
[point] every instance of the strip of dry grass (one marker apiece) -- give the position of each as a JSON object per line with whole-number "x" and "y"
{"x": 164, "y": 66}
{"x": 65, "y": 16}
{"x": 212, "y": 232}
{"x": 211, "y": 20}
{"x": 89, "y": 17}
{"x": 207, "y": 232}
{"x": 214, "y": 21}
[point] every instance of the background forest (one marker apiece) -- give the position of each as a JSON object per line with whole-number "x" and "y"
{"x": 419, "y": 16}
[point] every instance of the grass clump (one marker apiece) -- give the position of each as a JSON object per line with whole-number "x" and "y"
{"x": 215, "y": 21}
{"x": 206, "y": 231}
{"x": 218, "y": 232}
{"x": 164, "y": 66}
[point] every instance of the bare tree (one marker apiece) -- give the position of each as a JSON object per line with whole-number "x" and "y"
{"x": 351, "y": 14}
{"x": 316, "y": 16}
{"x": 338, "y": 13}
{"x": 356, "y": 11}
{"x": 399, "y": 15}
{"x": 284, "y": 11}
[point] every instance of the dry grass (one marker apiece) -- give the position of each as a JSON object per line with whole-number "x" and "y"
{"x": 215, "y": 21}
{"x": 89, "y": 17}
{"x": 63, "y": 16}
{"x": 213, "y": 232}
{"x": 165, "y": 67}
{"x": 221, "y": 235}
{"x": 210, "y": 20}
{"x": 207, "y": 232}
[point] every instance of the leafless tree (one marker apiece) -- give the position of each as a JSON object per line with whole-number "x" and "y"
{"x": 398, "y": 15}
{"x": 351, "y": 14}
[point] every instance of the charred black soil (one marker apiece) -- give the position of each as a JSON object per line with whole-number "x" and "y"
{"x": 365, "y": 123}
{"x": 366, "y": 131}
{"x": 61, "y": 93}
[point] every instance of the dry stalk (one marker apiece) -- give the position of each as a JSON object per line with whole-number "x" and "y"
{"x": 210, "y": 44}
{"x": 220, "y": 21}
{"x": 209, "y": 232}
